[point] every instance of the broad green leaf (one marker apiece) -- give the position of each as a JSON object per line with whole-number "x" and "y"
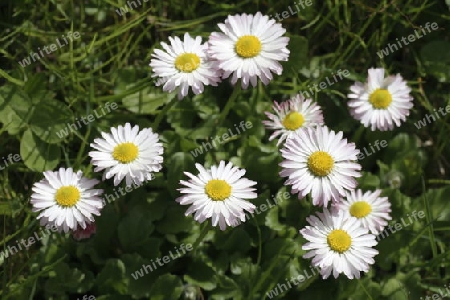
{"x": 368, "y": 181}
{"x": 175, "y": 221}
{"x": 38, "y": 155}
{"x": 18, "y": 100}
{"x": 238, "y": 240}
{"x": 111, "y": 277}
{"x": 139, "y": 280}
{"x": 15, "y": 108}
{"x": 159, "y": 206}
{"x": 202, "y": 275}
{"x": 182, "y": 117}
{"x": 65, "y": 279}
{"x": 134, "y": 229}
{"x": 394, "y": 289}
{"x": 436, "y": 57}
{"x": 167, "y": 287}
{"x": 179, "y": 162}
{"x": 298, "y": 56}
{"x": 5, "y": 209}
{"x": 146, "y": 101}
{"x": 272, "y": 220}
{"x": 11, "y": 121}
{"x": 51, "y": 119}
{"x": 226, "y": 288}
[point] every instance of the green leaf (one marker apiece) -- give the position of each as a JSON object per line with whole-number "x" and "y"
{"x": 272, "y": 220}
{"x": 179, "y": 162}
{"x": 134, "y": 229}
{"x": 65, "y": 279}
{"x": 38, "y": 155}
{"x": 36, "y": 83}
{"x": 204, "y": 131}
{"x": 204, "y": 106}
{"x": 5, "y": 209}
{"x": 50, "y": 119}
{"x": 202, "y": 275}
{"x": 159, "y": 206}
{"x": 15, "y": 108}
{"x": 371, "y": 287}
{"x": 226, "y": 288}
{"x": 167, "y": 287}
{"x": 438, "y": 202}
{"x": 238, "y": 240}
{"x": 400, "y": 145}
{"x": 249, "y": 273}
{"x": 141, "y": 286}
{"x": 175, "y": 221}
{"x": 111, "y": 277}
{"x": 394, "y": 289}
{"x": 182, "y": 117}
{"x": 436, "y": 57}
{"x": 260, "y": 166}
{"x": 368, "y": 181}
{"x": 139, "y": 96}
{"x": 11, "y": 121}
{"x": 18, "y": 100}
{"x": 298, "y": 56}
{"x": 280, "y": 248}
{"x": 146, "y": 101}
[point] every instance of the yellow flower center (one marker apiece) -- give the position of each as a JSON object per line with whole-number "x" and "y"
{"x": 320, "y": 163}
{"x": 248, "y": 46}
{"x": 360, "y": 209}
{"x": 125, "y": 152}
{"x": 218, "y": 190}
{"x": 67, "y": 195}
{"x": 381, "y": 98}
{"x": 187, "y": 62}
{"x": 293, "y": 121}
{"x": 339, "y": 240}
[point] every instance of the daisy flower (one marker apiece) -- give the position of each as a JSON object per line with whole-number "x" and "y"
{"x": 320, "y": 162}
{"x": 66, "y": 200}
{"x": 371, "y": 210}
{"x": 127, "y": 153}
{"x": 292, "y": 115}
{"x": 338, "y": 244}
{"x": 218, "y": 193}
{"x": 81, "y": 234}
{"x": 184, "y": 64}
{"x": 249, "y": 48}
{"x": 380, "y": 102}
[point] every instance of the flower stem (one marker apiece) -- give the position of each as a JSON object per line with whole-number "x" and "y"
{"x": 229, "y": 104}
{"x": 163, "y": 113}
{"x": 202, "y": 235}
{"x": 362, "y": 286}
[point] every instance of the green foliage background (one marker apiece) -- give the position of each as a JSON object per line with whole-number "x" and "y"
{"x": 109, "y": 63}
